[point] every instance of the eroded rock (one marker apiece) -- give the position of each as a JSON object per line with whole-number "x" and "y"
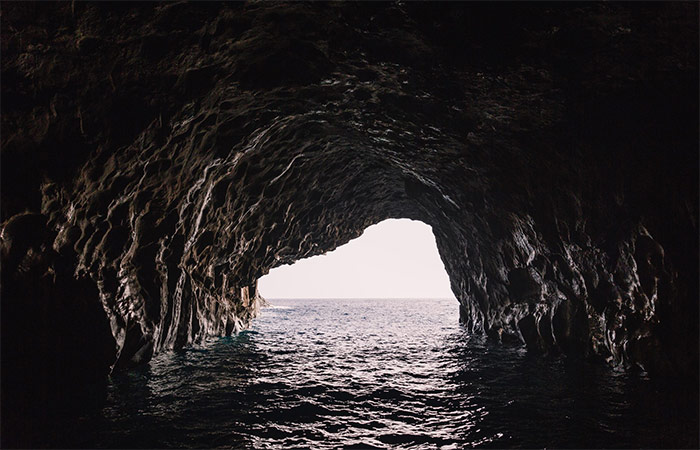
{"x": 170, "y": 155}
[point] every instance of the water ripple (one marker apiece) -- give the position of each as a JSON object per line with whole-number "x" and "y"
{"x": 376, "y": 374}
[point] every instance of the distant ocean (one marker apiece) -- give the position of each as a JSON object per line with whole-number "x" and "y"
{"x": 365, "y": 373}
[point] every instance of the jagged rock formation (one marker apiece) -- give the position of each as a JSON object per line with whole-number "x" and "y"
{"x": 157, "y": 160}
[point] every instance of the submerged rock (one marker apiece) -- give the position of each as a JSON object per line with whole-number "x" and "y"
{"x": 157, "y": 160}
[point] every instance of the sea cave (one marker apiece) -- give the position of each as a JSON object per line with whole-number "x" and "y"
{"x": 158, "y": 159}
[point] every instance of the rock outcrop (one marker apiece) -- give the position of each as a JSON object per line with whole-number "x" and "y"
{"x": 157, "y": 160}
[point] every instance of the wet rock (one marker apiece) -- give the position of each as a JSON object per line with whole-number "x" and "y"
{"x": 158, "y": 160}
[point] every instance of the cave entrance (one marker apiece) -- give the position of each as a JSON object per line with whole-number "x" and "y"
{"x": 396, "y": 258}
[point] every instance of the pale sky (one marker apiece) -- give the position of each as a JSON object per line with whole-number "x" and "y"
{"x": 396, "y": 258}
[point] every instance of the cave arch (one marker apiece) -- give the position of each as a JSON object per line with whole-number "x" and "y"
{"x": 563, "y": 201}
{"x": 173, "y": 268}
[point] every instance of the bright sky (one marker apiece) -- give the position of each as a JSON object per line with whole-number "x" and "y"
{"x": 396, "y": 258}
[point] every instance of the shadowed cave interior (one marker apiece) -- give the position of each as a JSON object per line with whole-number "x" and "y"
{"x": 157, "y": 160}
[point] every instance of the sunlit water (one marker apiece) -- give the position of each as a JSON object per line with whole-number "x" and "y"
{"x": 373, "y": 373}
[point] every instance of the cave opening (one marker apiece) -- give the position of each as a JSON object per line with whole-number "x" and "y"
{"x": 395, "y": 258}
{"x": 553, "y": 151}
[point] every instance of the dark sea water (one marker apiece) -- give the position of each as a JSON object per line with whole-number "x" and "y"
{"x": 373, "y": 373}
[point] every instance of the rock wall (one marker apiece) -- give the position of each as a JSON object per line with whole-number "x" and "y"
{"x": 157, "y": 160}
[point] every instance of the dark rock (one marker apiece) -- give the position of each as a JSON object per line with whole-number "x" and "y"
{"x": 56, "y": 335}
{"x": 149, "y": 179}
{"x": 522, "y": 286}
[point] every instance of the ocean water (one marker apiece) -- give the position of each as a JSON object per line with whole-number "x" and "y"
{"x": 372, "y": 374}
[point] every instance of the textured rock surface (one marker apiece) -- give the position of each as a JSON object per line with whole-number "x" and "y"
{"x": 168, "y": 156}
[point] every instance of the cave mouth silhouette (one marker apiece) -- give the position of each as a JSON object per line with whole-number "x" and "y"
{"x": 157, "y": 160}
{"x": 560, "y": 180}
{"x": 395, "y": 258}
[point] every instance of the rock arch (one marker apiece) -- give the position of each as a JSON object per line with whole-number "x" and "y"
{"x": 167, "y": 156}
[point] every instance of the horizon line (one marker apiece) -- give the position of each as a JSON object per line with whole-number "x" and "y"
{"x": 359, "y": 298}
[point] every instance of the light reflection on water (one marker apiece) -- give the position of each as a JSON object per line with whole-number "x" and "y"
{"x": 375, "y": 373}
